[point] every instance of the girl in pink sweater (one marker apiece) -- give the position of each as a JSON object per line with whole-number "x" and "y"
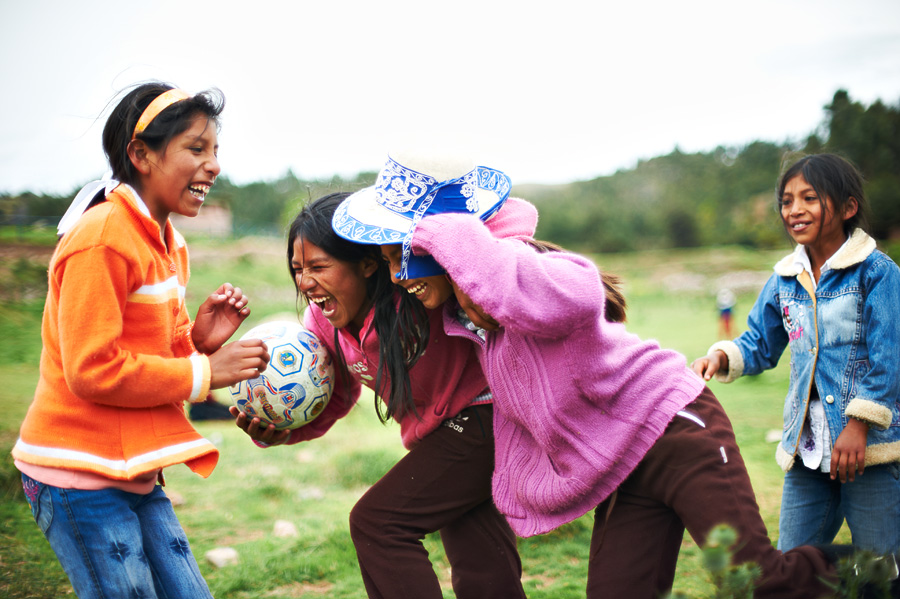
{"x": 587, "y": 415}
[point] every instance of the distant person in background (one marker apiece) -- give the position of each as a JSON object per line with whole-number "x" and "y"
{"x": 725, "y": 302}
{"x": 587, "y": 417}
{"x": 121, "y": 356}
{"x": 834, "y": 301}
{"x": 441, "y": 401}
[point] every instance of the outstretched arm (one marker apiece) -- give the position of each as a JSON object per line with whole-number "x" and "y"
{"x": 710, "y": 364}
{"x": 543, "y": 294}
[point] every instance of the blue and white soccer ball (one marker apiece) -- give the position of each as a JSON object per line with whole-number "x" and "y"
{"x": 298, "y": 382}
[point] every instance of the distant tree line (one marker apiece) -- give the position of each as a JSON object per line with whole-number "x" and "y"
{"x": 261, "y": 208}
{"x": 269, "y": 208}
{"x": 725, "y": 196}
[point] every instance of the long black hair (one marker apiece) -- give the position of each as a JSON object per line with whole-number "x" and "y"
{"x": 402, "y": 329}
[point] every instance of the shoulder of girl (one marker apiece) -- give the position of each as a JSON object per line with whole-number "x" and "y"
{"x": 883, "y": 256}
{"x": 90, "y": 230}
{"x": 881, "y": 266}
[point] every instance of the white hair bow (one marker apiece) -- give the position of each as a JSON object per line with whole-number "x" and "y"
{"x": 83, "y": 200}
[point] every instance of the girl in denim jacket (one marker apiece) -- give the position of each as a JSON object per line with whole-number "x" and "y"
{"x": 834, "y": 301}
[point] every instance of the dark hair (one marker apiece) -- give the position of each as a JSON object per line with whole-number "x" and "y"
{"x": 831, "y": 176}
{"x": 402, "y": 335}
{"x": 172, "y": 121}
{"x": 615, "y": 305}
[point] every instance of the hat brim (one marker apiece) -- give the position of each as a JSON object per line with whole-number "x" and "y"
{"x": 351, "y": 219}
{"x": 362, "y": 219}
{"x": 386, "y": 215}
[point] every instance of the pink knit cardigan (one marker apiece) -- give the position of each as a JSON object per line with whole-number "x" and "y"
{"x": 578, "y": 401}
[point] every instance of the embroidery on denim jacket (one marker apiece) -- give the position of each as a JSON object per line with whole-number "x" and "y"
{"x": 794, "y": 329}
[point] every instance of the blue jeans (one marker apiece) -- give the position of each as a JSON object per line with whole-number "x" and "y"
{"x": 116, "y": 544}
{"x": 813, "y": 508}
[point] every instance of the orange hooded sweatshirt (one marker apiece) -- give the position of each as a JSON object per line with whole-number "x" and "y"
{"x": 117, "y": 361}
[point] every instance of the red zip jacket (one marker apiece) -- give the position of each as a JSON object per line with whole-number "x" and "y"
{"x": 446, "y": 379}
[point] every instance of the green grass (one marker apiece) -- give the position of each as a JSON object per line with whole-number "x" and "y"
{"x": 315, "y": 484}
{"x": 43, "y": 235}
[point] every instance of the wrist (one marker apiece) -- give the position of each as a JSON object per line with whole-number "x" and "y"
{"x": 201, "y": 346}
{"x": 857, "y": 423}
{"x": 192, "y": 336}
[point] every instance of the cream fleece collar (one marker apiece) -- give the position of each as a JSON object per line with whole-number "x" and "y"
{"x": 855, "y": 250}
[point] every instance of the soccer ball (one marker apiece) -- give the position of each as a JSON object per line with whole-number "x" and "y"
{"x": 298, "y": 382}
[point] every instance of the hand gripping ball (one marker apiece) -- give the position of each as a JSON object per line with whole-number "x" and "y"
{"x": 298, "y": 382}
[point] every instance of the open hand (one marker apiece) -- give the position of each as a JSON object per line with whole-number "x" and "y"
{"x": 709, "y": 365}
{"x": 219, "y": 317}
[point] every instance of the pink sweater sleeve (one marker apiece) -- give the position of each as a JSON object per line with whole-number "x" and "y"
{"x": 541, "y": 294}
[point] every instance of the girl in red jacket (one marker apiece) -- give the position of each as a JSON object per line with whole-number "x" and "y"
{"x": 121, "y": 356}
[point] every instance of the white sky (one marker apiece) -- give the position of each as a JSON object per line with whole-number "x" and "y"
{"x": 547, "y": 91}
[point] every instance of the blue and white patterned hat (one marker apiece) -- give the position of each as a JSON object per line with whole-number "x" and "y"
{"x": 411, "y": 187}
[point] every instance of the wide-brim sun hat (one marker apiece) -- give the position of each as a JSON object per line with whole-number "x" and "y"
{"x": 413, "y": 185}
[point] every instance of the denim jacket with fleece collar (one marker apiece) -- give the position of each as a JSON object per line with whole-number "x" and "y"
{"x": 844, "y": 337}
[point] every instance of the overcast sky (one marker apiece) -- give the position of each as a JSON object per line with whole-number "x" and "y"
{"x": 547, "y": 91}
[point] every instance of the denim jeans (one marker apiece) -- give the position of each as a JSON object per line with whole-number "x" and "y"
{"x": 116, "y": 544}
{"x": 813, "y": 508}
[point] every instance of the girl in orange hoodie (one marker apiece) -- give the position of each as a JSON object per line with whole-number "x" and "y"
{"x": 121, "y": 356}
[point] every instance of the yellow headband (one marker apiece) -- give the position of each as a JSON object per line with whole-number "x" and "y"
{"x": 160, "y": 103}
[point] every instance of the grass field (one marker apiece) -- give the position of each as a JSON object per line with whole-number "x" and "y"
{"x": 313, "y": 485}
